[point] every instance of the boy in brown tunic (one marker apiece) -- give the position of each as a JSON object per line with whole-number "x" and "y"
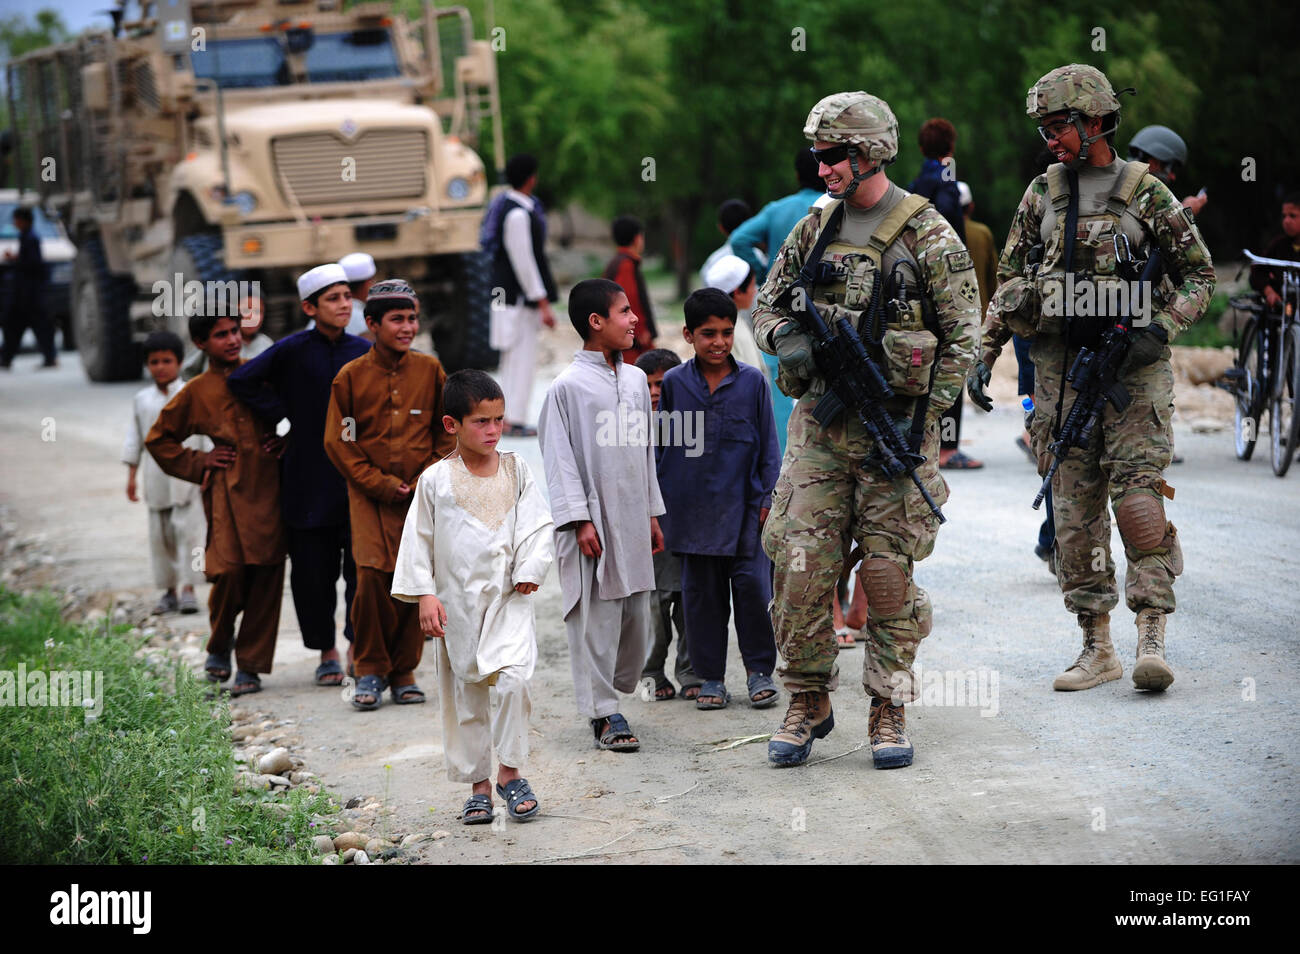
{"x": 383, "y": 428}
{"x": 244, "y": 555}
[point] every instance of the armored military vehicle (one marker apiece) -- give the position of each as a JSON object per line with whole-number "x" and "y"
{"x": 229, "y": 141}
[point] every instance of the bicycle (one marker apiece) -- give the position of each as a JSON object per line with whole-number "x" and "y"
{"x": 1266, "y": 372}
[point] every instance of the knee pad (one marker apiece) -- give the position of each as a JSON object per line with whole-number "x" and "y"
{"x": 886, "y": 586}
{"x": 1141, "y": 519}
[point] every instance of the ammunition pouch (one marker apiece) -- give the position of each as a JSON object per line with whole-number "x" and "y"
{"x": 909, "y": 359}
{"x": 1017, "y": 301}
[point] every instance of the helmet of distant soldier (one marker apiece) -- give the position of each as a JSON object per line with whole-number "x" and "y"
{"x": 1159, "y": 142}
{"x": 857, "y": 119}
{"x": 1074, "y": 88}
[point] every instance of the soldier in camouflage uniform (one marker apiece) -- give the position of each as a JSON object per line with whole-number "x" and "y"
{"x": 1078, "y": 112}
{"x": 827, "y": 497}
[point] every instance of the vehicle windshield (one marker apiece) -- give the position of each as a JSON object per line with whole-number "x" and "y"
{"x": 352, "y": 57}
{"x": 348, "y": 57}
{"x": 242, "y": 64}
{"x": 41, "y": 225}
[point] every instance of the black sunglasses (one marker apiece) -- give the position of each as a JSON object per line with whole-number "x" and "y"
{"x": 831, "y": 156}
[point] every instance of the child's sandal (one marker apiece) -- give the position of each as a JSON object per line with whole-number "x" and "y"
{"x": 515, "y": 793}
{"x": 472, "y": 812}
{"x": 613, "y": 733}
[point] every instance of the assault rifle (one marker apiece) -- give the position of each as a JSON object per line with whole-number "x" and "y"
{"x": 1095, "y": 372}
{"x": 856, "y": 384}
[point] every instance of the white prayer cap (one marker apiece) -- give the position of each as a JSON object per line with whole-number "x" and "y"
{"x": 322, "y": 276}
{"x": 727, "y": 273}
{"x": 359, "y": 266}
{"x": 963, "y": 191}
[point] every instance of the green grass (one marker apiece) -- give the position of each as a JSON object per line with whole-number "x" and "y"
{"x": 150, "y": 780}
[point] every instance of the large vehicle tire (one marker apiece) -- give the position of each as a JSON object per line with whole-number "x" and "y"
{"x": 101, "y": 313}
{"x": 199, "y": 257}
{"x": 461, "y": 331}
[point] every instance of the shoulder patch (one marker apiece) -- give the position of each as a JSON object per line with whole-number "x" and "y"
{"x": 959, "y": 260}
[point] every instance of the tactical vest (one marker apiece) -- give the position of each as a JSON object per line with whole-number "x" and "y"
{"x": 1093, "y": 258}
{"x": 893, "y": 329}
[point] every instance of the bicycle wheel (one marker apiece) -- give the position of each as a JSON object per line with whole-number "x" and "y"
{"x": 1284, "y": 423}
{"x": 1248, "y": 395}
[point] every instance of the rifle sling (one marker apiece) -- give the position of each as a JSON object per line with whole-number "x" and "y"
{"x": 1071, "y": 228}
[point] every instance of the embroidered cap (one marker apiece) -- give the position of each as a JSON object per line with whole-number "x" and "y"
{"x": 393, "y": 288}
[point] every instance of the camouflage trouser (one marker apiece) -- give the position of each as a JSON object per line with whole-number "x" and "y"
{"x": 1127, "y": 457}
{"x": 824, "y": 501}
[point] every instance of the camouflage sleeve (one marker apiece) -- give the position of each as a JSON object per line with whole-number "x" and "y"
{"x": 1024, "y": 235}
{"x": 1185, "y": 257}
{"x": 773, "y": 304}
{"x": 954, "y": 291}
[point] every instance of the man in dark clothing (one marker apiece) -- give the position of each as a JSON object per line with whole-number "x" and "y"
{"x": 1286, "y": 247}
{"x": 937, "y": 181}
{"x": 25, "y": 304}
{"x": 292, "y": 379}
{"x": 522, "y": 273}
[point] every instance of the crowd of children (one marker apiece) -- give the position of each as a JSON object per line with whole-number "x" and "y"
{"x": 360, "y": 457}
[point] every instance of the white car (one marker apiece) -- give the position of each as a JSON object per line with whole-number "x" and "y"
{"x": 56, "y": 249}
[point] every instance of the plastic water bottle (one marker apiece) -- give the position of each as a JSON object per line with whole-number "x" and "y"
{"x": 1028, "y": 405}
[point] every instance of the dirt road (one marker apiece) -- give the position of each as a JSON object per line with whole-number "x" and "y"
{"x": 1203, "y": 773}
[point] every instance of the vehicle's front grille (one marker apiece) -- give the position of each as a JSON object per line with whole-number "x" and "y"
{"x": 322, "y": 169}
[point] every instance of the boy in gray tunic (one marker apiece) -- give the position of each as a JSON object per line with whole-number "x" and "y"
{"x": 595, "y": 436}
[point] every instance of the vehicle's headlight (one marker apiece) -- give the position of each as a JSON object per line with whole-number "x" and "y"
{"x": 458, "y": 189}
{"x": 245, "y": 202}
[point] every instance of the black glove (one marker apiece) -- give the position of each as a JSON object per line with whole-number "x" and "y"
{"x": 1146, "y": 348}
{"x": 976, "y": 381}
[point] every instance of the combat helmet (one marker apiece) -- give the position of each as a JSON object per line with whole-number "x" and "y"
{"x": 858, "y": 120}
{"x": 1159, "y": 142}
{"x": 1083, "y": 92}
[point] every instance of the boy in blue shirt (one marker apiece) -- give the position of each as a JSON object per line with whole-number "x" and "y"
{"x": 718, "y": 462}
{"x": 292, "y": 379}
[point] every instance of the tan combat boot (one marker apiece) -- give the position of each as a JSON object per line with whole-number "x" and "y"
{"x": 1098, "y": 662}
{"x": 1151, "y": 671}
{"x": 886, "y": 729}
{"x": 808, "y": 717}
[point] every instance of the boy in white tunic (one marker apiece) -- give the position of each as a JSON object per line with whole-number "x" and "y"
{"x": 476, "y": 544}
{"x": 176, "y": 525}
{"x": 600, "y": 470}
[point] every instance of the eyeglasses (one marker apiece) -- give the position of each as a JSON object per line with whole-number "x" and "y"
{"x": 1054, "y": 130}
{"x": 832, "y": 155}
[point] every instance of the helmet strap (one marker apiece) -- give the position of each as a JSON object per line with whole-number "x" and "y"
{"x": 1076, "y": 119}
{"x": 858, "y": 177}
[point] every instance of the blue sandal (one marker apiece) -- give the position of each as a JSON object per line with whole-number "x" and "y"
{"x": 369, "y": 686}
{"x": 713, "y": 689}
{"x": 761, "y": 682}
{"x": 329, "y": 673}
{"x": 476, "y": 804}
{"x": 516, "y": 792}
{"x": 217, "y": 667}
{"x": 616, "y": 735}
{"x": 408, "y": 695}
